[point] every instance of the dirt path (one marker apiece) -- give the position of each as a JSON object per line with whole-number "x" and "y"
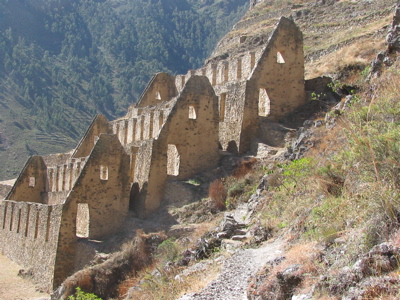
{"x": 13, "y": 287}
{"x": 233, "y": 281}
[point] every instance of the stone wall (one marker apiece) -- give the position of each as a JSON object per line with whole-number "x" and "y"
{"x": 188, "y": 141}
{"x": 160, "y": 88}
{"x": 102, "y": 188}
{"x": 98, "y": 126}
{"x": 172, "y": 133}
{"x": 29, "y": 236}
{"x": 61, "y": 179}
{"x": 141, "y": 124}
{"x": 276, "y": 85}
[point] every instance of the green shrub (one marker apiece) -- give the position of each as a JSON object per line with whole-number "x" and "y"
{"x": 168, "y": 250}
{"x": 81, "y": 295}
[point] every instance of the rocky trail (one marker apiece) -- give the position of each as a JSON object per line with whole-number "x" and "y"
{"x": 232, "y": 283}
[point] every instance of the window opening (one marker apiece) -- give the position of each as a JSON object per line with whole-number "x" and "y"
{"x": 263, "y": 103}
{"x": 173, "y": 160}
{"x": 192, "y": 113}
{"x": 103, "y": 172}
{"x": 48, "y": 224}
{"x": 158, "y": 96}
{"x": 142, "y": 128}
{"x": 32, "y": 181}
{"x": 279, "y": 58}
{"x": 82, "y": 220}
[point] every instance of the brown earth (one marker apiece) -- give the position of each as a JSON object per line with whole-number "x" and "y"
{"x": 14, "y": 287}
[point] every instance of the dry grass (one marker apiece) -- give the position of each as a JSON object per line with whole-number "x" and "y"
{"x": 158, "y": 282}
{"x": 360, "y": 52}
{"x": 350, "y": 33}
{"x": 104, "y": 279}
{"x": 172, "y": 285}
{"x": 280, "y": 285}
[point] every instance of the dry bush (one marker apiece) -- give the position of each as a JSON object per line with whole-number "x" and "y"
{"x": 104, "y": 279}
{"x": 217, "y": 193}
{"x": 245, "y": 167}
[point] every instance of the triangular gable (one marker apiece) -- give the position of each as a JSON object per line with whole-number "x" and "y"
{"x": 98, "y": 126}
{"x": 160, "y": 88}
{"x": 280, "y": 58}
{"x": 31, "y": 182}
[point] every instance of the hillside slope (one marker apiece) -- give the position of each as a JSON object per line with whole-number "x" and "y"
{"x": 331, "y": 216}
{"x": 62, "y": 62}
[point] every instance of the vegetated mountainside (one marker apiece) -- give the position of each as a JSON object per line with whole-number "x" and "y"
{"x": 331, "y": 196}
{"x": 63, "y": 61}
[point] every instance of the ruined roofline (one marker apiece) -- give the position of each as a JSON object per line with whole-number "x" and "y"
{"x": 146, "y": 89}
{"x": 283, "y": 21}
{"x": 99, "y": 143}
{"x": 150, "y": 86}
{"x": 132, "y": 130}
{"x": 87, "y": 132}
{"x": 19, "y": 178}
{"x": 203, "y": 80}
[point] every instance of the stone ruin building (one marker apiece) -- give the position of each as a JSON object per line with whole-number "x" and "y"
{"x": 174, "y": 131}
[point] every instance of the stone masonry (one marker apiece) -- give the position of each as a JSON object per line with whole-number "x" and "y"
{"x": 174, "y": 131}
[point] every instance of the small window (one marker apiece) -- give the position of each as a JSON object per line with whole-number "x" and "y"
{"x": 279, "y": 58}
{"x": 32, "y": 181}
{"x": 103, "y": 173}
{"x": 158, "y": 96}
{"x": 192, "y": 113}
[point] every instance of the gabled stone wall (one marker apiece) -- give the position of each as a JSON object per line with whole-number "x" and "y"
{"x": 173, "y": 132}
{"x": 251, "y": 86}
{"x": 31, "y": 184}
{"x": 191, "y": 128}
